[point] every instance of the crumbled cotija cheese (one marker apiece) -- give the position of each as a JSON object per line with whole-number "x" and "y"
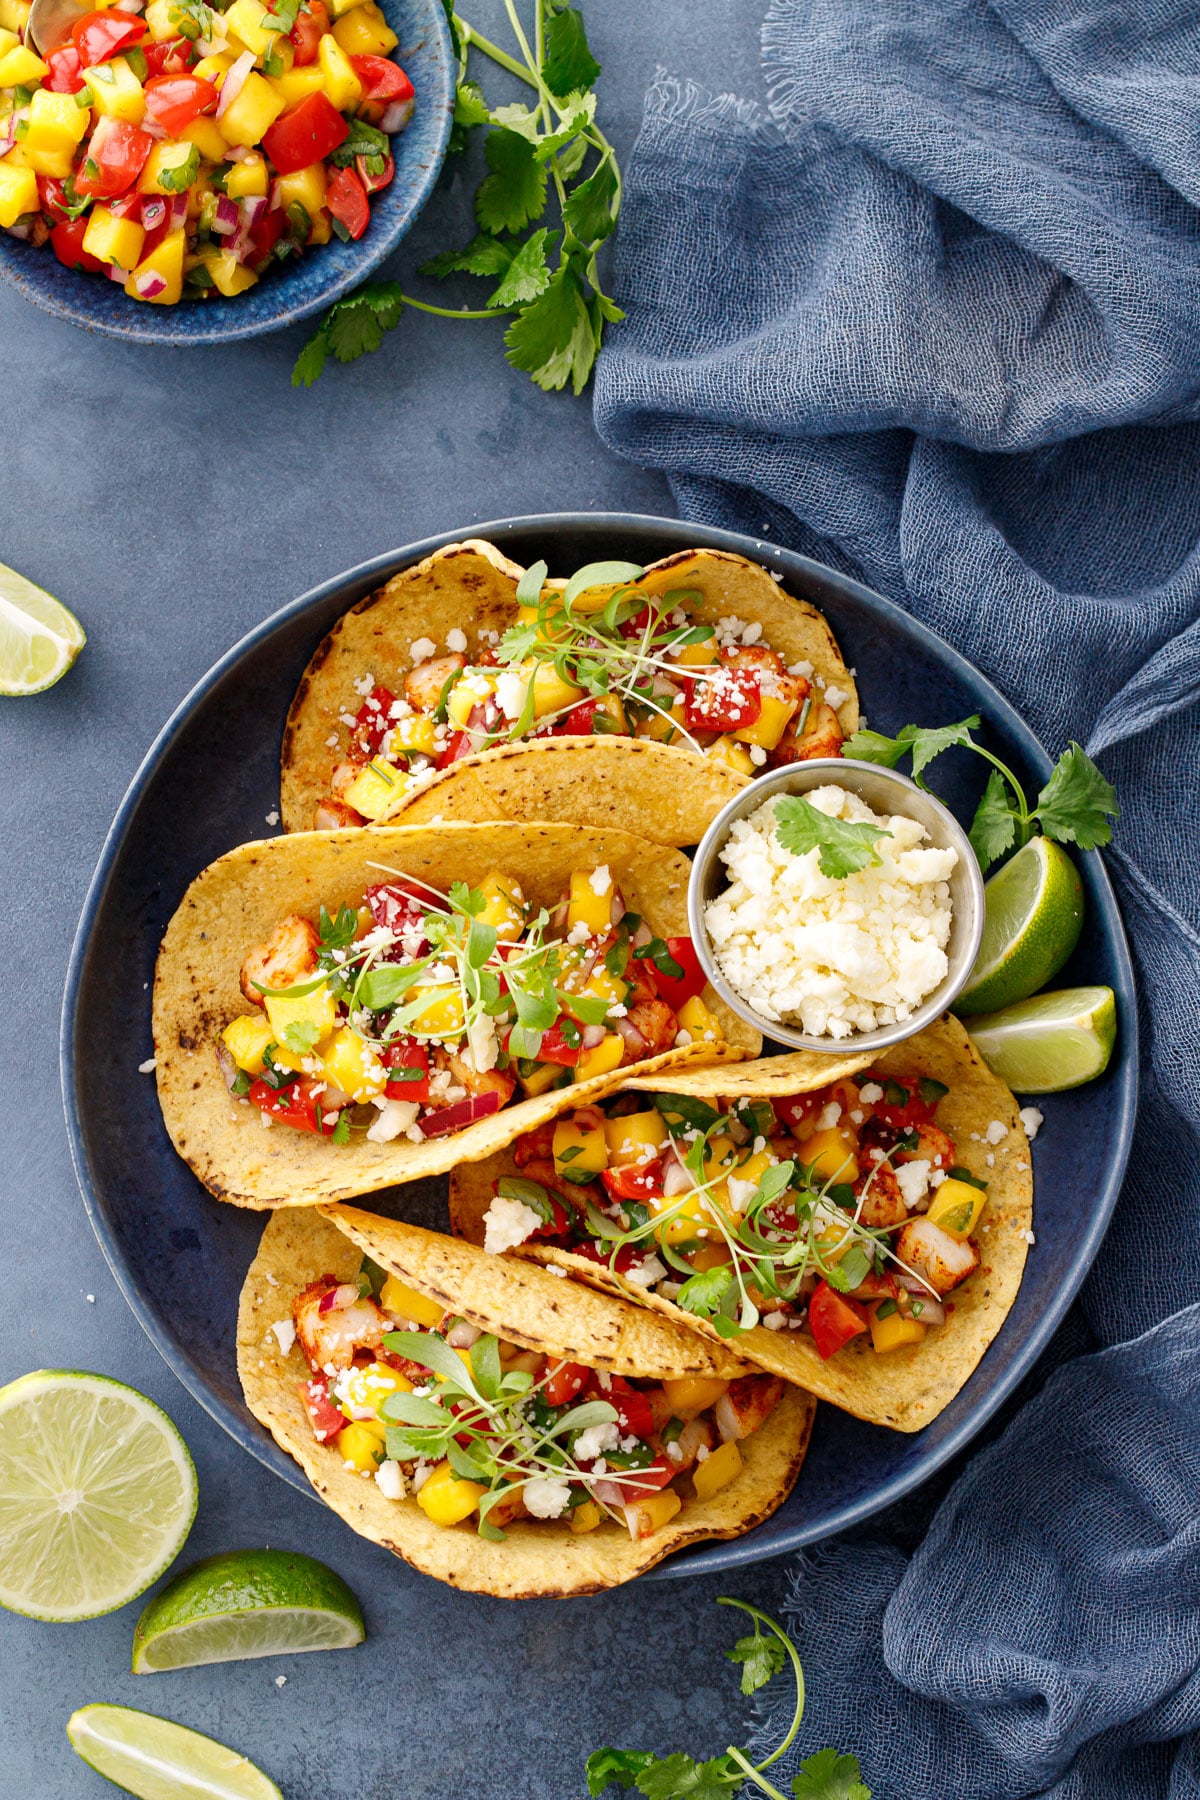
{"x": 832, "y": 956}
{"x": 508, "y": 1223}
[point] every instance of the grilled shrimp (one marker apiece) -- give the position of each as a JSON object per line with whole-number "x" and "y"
{"x": 746, "y": 1405}
{"x": 423, "y": 685}
{"x": 943, "y": 1261}
{"x": 330, "y": 1338}
{"x": 285, "y": 958}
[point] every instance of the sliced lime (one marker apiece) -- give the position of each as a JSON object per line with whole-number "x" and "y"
{"x": 97, "y": 1494}
{"x": 242, "y": 1604}
{"x": 1032, "y": 920}
{"x": 158, "y": 1760}
{"x": 1051, "y": 1042}
{"x": 39, "y": 638}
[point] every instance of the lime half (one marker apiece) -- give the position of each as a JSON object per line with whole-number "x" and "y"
{"x": 242, "y": 1604}
{"x": 159, "y": 1760}
{"x": 97, "y": 1494}
{"x": 39, "y": 638}
{"x": 1051, "y": 1042}
{"x": 1032, "y": 919}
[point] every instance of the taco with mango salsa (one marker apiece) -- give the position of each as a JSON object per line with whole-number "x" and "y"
{"x": 467, "y": 652}
{"x": 864, "y": 1238}
{"x": 336, "y": 1012}
{"x": 499, "y": 1429}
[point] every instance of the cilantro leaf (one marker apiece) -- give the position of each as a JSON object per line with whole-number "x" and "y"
{"x": 703, "y": 1294}
{"x": 301, "y": 1035}
{"x": 873, "y": 747}
{"x": 1077, "y": 802}
{"x": 357, "y": 323}
{"x": 621, "y": 1768}
{"x": 924, "y": 743}
{"x": 828, "y": 1776}
{"x": 994, "y": 826}
{"x": 470, "y": 107}
{"x": 554, "y": 339}
{"x": 484, "y": 255}
{"x": 844, "y": 846}
{"x": 579, "y": 112}
{"x": 586, "y": 209}
{"x": 761, "y": 1658}
{"x": 311, "y": 360}
{"x": 527, "y": 274}
{"x": 515, "y": 191}
{"x": 569, "y": 65}
{"x": 678, "y": 1777}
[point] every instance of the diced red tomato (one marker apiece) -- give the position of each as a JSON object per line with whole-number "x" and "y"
{"x": 903, "y": 1115}
{"x": 306, "y": 34}
{"x": 374, "y": 184}
{"x": 399, "y": 909}
{"x": 796, "y": 1111}
{"x": 372, "y": 724}
{"x": 172, "y": 58}
{"x": 266, "y": 232}
{"x": 381, "y": 79}
{"x": 460, "y": 745}
{"x": 66, "y": 71}
{"x": 578, "y": 722}
{"x": 634, "y": 1181}
{"x": 53, "y": 198}
{"x": 560, "y": 1224}
{"x": 346, "y": 199}
{"x": 407, "y": 1055}
{"x": 308, "y": 133}
{"x": 115, "y": 156}
{"x": 295, "y": 1105}
{"x": 724, "y": 701}
{"x": 99, "y": 35}
{"x": 126, "y": 206}
{"x": 67, "y": 243}
{"x": 677, "y": 989}
{"x": 636, "y": 627}
{"x": 637, "y": 1483}
{"x": 564, "y": 1380}
{"x": 634, "y": 1412}
{"x": 626, "y": 1258}
{"x": 324, "y": 1417}
{"x": 834, "y": 1320}
{"x": 175, "y": 100}
{"x": 555, "y": 1048}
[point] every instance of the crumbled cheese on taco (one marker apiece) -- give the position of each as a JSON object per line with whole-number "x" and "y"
{"x": 508, "y": 1223}
{"x": 1032, "y": 1120}
{"x": 545, "y": 1497}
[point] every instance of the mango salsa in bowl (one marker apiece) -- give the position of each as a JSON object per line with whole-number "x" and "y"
{"x": 182, "y": 174}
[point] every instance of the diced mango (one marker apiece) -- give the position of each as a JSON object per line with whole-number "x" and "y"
{"x": 734, "y": 755}
{"x": 663, "y": 728}
{"x": 19, "y": 67}
{"x": 418, "y": 732}
{"x": 685, "y": 1216}
{"x": 341, "y": 83}
{"x": 8, "y": 41}
{"x": 407, "y": 1303}
{"x": 504, "y": 906}
{"x": 591, "y": 901}
{"x": 246, "y": 1040}
{"x": 579, "y": 1149}
{"x": 586, "y": 1516}
{"x": 701, "y": 1021}
{"x": 375, "y": 789}
{"x": 349, "y": 1062}
{"x": 111, "y": 239}
{"x": 166, "y": 262}
{"x": 244, "y": 22}
{"x": 306, "y": 188}
{"x": 709, "y": 1256}
{"x": 371, "y": 1386}
{"x": 603, "y": 986}
{"x": 253, "y": 112}
{"x": 442, "y": 1015}
{"x": 214, "y": 68}
{"x": 206, "y": 137}
{"x": 167, "y": 165}
{"x": 116, "y": 91}
{"x": 832, "y": 1154}
{"x": 229, "y": 276}
{"x": 770, "y": 724}
{"x": 720, "y": 1155}
{"x": 635, "y": 1138}
{"x": 542, "y": 1079}
{"x": 719, "y": 1468}
{"x": 18, "y": 192}
{"x": 645, "y": 1517}
{"x": 295, "y": 85}
{"x": 359, "y": 1446}
{"x": 753, "y": 1168}
{"x": 309, "y": 1017}
{"x": 247, "y": 179}
{"x": 364, "y": 31}
{"x": 699, "y": 656}
{"x": 446, "y": 1500}
{"x": 339, "y": 8}
{"x": 956, "y": 1207}
{"x": 551, "y": 693}
{"x": 602, "y": 1060}
{"x": 690, "y": 1395}
{"x": 14, "y": 15}
{"x": 56, "y": 125}
{"x": 162, "y": 20}
{"x": 894, "y": 1331}
{"x": 471, "y": 689}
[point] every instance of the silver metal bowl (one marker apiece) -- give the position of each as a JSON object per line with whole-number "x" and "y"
{"x": 885, "y": 792}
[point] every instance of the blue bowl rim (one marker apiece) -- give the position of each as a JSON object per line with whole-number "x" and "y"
{"x": 738, "y": 1552}
{"x": 230, "y": 327}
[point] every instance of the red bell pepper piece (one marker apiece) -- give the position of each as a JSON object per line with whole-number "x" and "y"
{"x": 175, "y": 100}
{"x": 295, "y": 1105}
{"x": 564, "y": 1381}
{"x": 114, "y": 159}
{"x": 99, "y": 35}
{"x": 66, "y": 71}
{"x": 346, "y": 199}
{"x": 66, "y": 240}
{"x": 634, "y": 1412}
{"x": 726, "y": 700}
{"x": 555, "y": 1048}
{"x": 306, "y": 34}
{"x": 637, "y": 1483}
{"x": 372, "y": 724}
{"x": 381, "y": 79}
{"x": 460, "y": 745}
{"x": 308, "y": 133}
{"x": 634, "y": 1181}
{"x": 461, "y": 1114}
{"x": 265, "y": 233}
{"x": 413, "y": 1059}
{"x": 834, "y": 1320}
{"x": 677, "y": 989}
{"x": 324, "y": 1417}
{"x": 578, "y": 722}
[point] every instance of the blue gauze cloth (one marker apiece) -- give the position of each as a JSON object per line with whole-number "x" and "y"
{"x": 934, "y": 318}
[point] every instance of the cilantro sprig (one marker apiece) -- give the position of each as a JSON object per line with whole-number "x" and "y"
{"x": 827, "y": 1775}
{"x": 1074, "y": 807}
{"x": 843, "y": 845}
{"x": 549, "y": 153}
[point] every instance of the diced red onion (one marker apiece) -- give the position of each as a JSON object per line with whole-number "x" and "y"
{"x": 915, "y": 1285}
{"x": 593, "y": 1035}
{"x": 676, "y": 1180}
{"x": 152, "y": 128}
{"x": 634, "y": 1041}
{"x": 238, "y": 153}
{"x": 149, "y": 285}
{"x": 932, "y": 1311}
{"x": 235, "y": 81}
{"x": 23, "y": 228}
{"x": 179, "y": 211}
{"x": 463, "y": 1113}
{"x": 154, "y": 211}
{"x": 116, "y": 273}
{"x": 338, "y": 1298}
{"x": 609, "y": 1493}
{"x": 8, "y": 134}
{"x": 227, "y": 1066}
{"x": 642, "y": 936}
{"x": 226, "y": 219}
{"x": 397, "y": 115}
{"x": 241, "y": 244}
{"x": 461, "y": 1336}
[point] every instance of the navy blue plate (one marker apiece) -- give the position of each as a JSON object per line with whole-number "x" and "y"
{"x": 180, "y": 1257}
{"x": 302, "y": 285}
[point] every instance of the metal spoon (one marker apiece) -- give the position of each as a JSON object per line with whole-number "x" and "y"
{"x": 50, "y": 23}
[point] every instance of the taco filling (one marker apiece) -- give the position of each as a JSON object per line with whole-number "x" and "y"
{"x": 597, "y": 657}
{"x": 842, "y": 1213}
{"x": 480, "y": 1430}
{"x": 417, "y": 1013}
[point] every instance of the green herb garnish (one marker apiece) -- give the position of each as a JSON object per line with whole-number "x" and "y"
{"x": 843, "y": 845}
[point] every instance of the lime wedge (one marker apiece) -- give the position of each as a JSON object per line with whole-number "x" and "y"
{"x": 1032, "y": 920}
{"x": 158, "y": 1760}
{"x": 97, "y": 1494}
{"x": 242, "y": 1604}
{"x": 1051, "y": 1042}
{"x": 39, "y": 638}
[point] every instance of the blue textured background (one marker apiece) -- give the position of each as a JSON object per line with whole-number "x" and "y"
{"x": 174, "y": 499}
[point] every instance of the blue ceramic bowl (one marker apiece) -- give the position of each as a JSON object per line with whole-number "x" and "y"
{"x": 180, "y": 1257}
{"x": 299, "y": 287}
